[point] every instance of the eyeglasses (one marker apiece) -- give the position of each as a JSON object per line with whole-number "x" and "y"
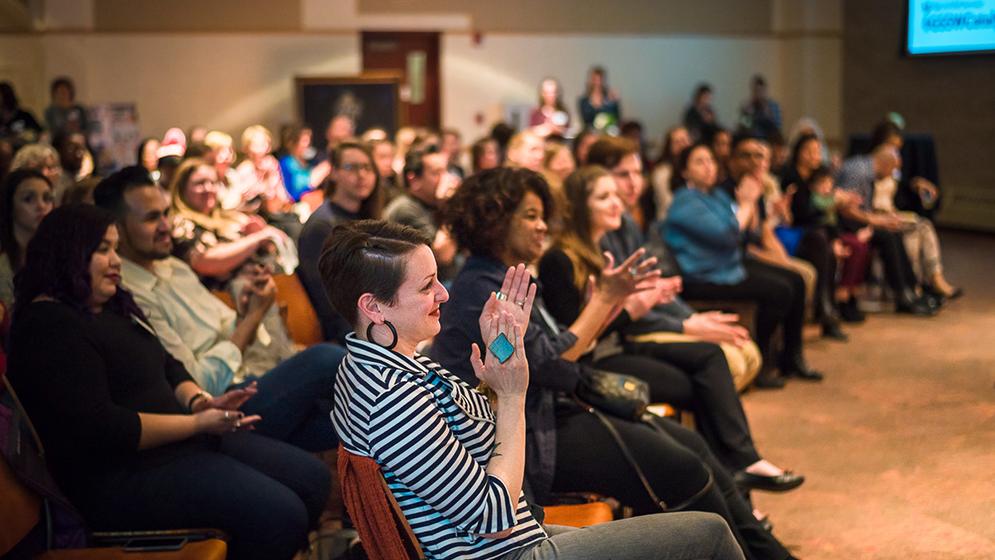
{"x": 356, "y": 167}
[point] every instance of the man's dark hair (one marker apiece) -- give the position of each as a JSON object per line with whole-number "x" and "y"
{"x": 414, "y": 161}
{"x": 67, "y": 83}
{"x": 372, "y": 207}
{"x": 608, "y": 151}
{"x": 110, "y": 192}
{"x": 480, "y": 212}
{"x": 365, "y": 256}
{"x": 743, "y": 135}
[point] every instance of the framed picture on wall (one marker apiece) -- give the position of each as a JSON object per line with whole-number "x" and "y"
{"x": 371, "y": 100}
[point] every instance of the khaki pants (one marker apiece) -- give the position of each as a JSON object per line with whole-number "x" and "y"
{"x": 923, "y": 247}
{"x": 744, "y": 361}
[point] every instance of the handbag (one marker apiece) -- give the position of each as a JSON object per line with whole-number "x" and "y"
{"x": 617, "y": 394}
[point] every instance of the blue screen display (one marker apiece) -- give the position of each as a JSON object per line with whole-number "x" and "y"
{"x": 950, "y": 27}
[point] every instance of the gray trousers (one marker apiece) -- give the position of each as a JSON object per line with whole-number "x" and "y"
{"x": 662, "y": 536}
{"x": 923, "y": 247}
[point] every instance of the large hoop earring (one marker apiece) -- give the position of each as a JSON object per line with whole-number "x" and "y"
{"x": 393, "y": 332}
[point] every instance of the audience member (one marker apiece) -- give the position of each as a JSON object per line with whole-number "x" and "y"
{"x": 526, "y": 149}
{"x": 428, "y": 186}
{"x": 742, "y": 354}
{"x": 75, "y": 158}
{"x": 861, "y": 175}
{"x": 760, "y": 115}
{"x": 600, "y": 107}
{"x": 814, "y": 206}
{"x": 44, "y": 159}
{"x": 699, "y": 118}
{"x": 64, "y": 115}
{"x": 502, "y": 132}
{"x": 352, "y": 194}
{"x": 129, "y": 436}
{"x": 232, "y": 193}
{"x": 383, "y": 159}
{"x": 433, "y": 437}
{"x": 170, "y": 154}
{"x": 815, "y": 262}
{"x": 721, "y": 143}
{"x": 692, "y": 375}
{"x": 621, "y": 157}
{"x": 261, "y": 183}
{"x": 196, "y": 134}
{"x": 26, "y": 197}
{"x": 220, "y": 348}
{"x": 499, "y": 216}
{"x": 220, "y": 244}
{"x": 551, "y": 116}
{"x": 294, "y": 164}
{"x": 675, "y": 140}
{"x": 16, "y": 124}
{"x": 557, "y": 162}
{"x": 403, "y": 140}
{"x": 485, "y": 154}
{"x": 452, "y": 145}
{"x": 340, "y": 128}
{"x": 917, "y": 199}
{"x": 705, "y": 235}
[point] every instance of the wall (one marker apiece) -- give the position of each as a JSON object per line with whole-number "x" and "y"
{"x": 228, "y": 79}
{"x": 950, "y": 97}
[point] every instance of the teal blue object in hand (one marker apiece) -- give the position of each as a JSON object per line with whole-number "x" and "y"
{"x": 502, "y": 348}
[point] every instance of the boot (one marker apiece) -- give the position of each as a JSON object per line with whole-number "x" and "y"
{"x": 794, "y": 366}
{"x": 908, "y": 302}
{"x": 830, "y": 321}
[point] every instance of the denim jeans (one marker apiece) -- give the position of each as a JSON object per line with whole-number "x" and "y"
{"x": 264, "y": 494}
{"x": 295, "y": 398}
{"x": 670, "y": 536}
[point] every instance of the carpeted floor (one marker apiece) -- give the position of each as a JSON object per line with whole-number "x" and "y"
{"x": 898, "y": 443}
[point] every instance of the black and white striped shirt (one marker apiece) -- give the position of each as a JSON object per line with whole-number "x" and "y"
{"x": 432, "y": 436}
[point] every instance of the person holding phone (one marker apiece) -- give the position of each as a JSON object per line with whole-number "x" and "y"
{"x": 130, "y": 438}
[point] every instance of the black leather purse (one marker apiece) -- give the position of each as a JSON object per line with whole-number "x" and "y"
{"x": 617, "y": 394}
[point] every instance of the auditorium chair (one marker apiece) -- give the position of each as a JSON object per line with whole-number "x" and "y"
{"x": 387, "y": 533}
{"x": 28, "y": 513}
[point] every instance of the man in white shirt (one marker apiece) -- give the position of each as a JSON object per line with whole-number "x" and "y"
{"x": 212, "y": 340}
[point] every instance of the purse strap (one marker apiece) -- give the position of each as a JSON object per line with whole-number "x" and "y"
{"x": 627, "y": 454}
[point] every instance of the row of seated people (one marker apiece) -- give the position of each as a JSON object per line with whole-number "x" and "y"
{"x": 353, "y": 169}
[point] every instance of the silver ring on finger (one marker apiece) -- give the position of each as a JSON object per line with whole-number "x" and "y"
{"x": 520, "y": 304}
{"x": 500, "y": 296}
{"x": 226, "y": 415}
{"x": 633, "y": 271}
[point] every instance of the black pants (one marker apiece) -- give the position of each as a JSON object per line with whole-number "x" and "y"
{"x": 816, "y": 248}
{"x": 779, "y": 294}
{"x": 675, "y": 460}
{"x": 264, "y": 493}
{"x": 897, "y": 268}
{"x": 676, "y": 371}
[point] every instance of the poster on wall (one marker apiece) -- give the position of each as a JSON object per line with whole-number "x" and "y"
{"x": 114, "y": 135}
{"x": 370, "y": 101}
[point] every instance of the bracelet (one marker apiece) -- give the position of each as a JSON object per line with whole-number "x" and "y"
{"x": 199, "y": 395}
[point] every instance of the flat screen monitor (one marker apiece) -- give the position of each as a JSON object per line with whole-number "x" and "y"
{"x": 943, "y": 27}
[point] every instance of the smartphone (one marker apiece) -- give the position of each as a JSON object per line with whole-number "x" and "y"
{"x": 155, "y": 544}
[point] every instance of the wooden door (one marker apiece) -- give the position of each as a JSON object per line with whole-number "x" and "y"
{"x": 415, "y": 57}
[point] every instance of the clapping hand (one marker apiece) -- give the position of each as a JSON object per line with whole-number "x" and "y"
{"x": 618, "y": 282}
{"x": 506, "y": 315}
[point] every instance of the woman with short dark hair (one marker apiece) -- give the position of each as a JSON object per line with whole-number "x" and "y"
{"x": 454, "y": 464}
{"x": 130, "y": 437}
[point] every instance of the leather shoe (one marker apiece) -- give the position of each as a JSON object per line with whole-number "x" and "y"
{"x": 850, "y": 312}
{"x": 768, "y": 380}
{"x": 781, "y": 483}
{"x": 915, "y": 307}
{"x": 796, "y": 367}
{"x": 831, "y": 329}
